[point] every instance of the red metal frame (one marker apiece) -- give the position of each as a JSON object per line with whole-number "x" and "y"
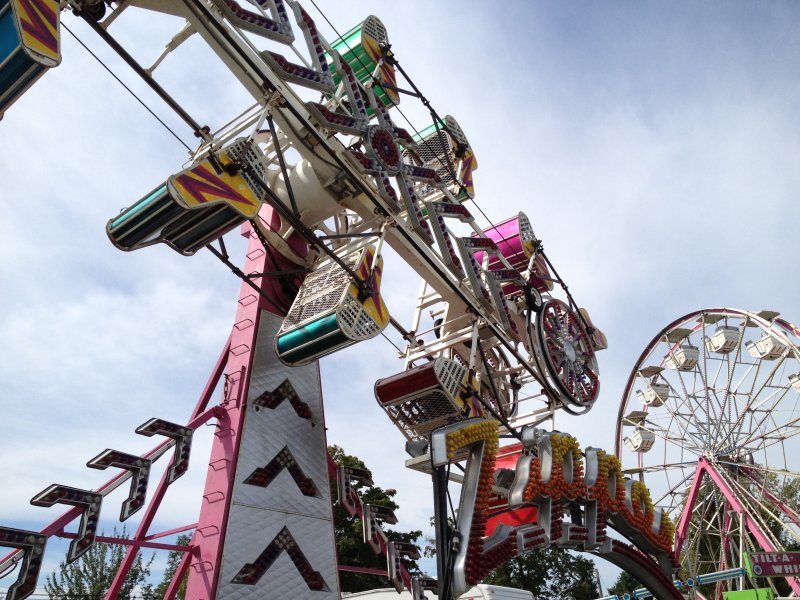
{"x": 177, "y": 579}
{"x": 171, "y": 531}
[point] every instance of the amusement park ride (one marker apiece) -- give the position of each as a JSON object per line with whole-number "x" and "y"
{"x": 503, "y": 356}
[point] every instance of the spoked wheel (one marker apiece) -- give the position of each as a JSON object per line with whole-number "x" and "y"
{"x": 565, "y": 356}
{"x": 708, "y": 419}
{"x": 502, "y": 384}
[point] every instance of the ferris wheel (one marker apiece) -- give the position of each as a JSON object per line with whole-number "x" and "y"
{"x": 709, "y": 419}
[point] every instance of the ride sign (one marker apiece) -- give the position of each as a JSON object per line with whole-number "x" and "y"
{"x": 772, "y": 564}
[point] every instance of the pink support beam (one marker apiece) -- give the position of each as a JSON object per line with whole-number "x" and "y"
{"x": 215, "y": 412}
{"x": 214, "y": 510}
{"x": 177, "y": 579}
{"x": 158, "y": 496}
{"x": 688, "y": 509}
{"x": 171, "y": 532}
{"x": 126, "y": 542}
{"x": 212, "y": 382}
{"x": 748, "y": 522}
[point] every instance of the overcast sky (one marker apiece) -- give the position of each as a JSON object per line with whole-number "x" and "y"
{"x": 653, "y": 145}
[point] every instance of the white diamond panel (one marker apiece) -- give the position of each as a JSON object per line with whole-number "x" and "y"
{"x": 253, "y": 529}
{"x": 258, "y": 514}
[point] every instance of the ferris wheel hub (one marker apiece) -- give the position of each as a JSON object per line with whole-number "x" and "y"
{"x": 570, "y": 351}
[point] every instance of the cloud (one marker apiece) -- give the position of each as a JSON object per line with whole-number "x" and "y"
{"x": 653, "y": 147}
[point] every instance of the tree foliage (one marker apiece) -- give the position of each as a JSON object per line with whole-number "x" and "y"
{"x": 173, "y": 561}
{"x": 90, "y": 577}
{"x": 548, "y": 575}
{"x": 625, "y": 583}
{"x": 350, "y": 546}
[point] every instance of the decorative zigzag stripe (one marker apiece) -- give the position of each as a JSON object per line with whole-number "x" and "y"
{"x": 205, "y": 183}
{"x": 33, "y": 15}
{"x": 373, "y": 279}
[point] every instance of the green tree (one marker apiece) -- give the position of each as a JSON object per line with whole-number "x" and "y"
{"x": 90, "y": 577}
{"x": 625, "y": 583}
{"x": 548, "y": 575}
{"x": 173, "y": 561}
{"x": 350, "y": 546}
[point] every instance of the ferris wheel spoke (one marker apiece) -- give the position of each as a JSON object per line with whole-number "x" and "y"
{"x": 758, "y": 522}
{"x": 778, "y": 390}
{"x": 684, "y": 421}
{"x": 787, "y": 425}
{"x": 766, "y": 381}
{"x": 762, "y": 469}
{"x": 743, "y": 378}
{"x": 680, "y": 420}
{"x": 666, "y": 466}
{"x": 749, "y": 409}
{"x": 768, "y": 414}
{"x": 670, "y": 437}
{"x": 723, "y": 429}
{"x": 755, "y": 504}
{"x": 736, "y": 354}
{"x": 674, "y": 489}
{"x": 719, "y": 371}
{"x": 703, "y": 380}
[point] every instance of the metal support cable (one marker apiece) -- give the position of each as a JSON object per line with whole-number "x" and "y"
{"x": 589, "y": 329}
{"x": 147, "y": 108}
{"x": 282, "y": 162}
{"x": 148, "y": 79}
{"x": 238, "y": 272}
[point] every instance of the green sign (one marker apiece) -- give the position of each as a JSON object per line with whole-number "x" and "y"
{"x": 759, "y": 594}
